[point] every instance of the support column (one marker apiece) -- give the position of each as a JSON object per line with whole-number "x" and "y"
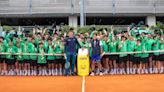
{"x": 151, "y": 20}
{"x": 73, "y": 21}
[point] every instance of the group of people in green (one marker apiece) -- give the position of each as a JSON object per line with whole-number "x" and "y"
{"x": 109, "y": 42}
{"x": 143, "y": 62}
{"x": 11, "y": 64}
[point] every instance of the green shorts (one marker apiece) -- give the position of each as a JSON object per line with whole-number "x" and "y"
{"x": 20, "y": 61}
{"x": 42, "y": 64}
{"x": 1, "y": 60}
{"x": 137, "y": 60}
{"x": 123, "y": 59}
{"x": 144, "y": 60}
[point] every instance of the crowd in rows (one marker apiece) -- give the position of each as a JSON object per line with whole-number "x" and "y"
{"x": 97, "y": 43}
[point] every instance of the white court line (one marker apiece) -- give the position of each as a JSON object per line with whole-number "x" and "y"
{"x": 83, "y": 84}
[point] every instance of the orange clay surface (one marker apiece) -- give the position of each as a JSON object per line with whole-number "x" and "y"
{"x": 115, "y": 83}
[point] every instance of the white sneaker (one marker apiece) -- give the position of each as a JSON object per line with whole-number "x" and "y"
{"x": 131, "y": 71}
{"x": 20, "y": 73}
{"x": 155, "y": 70}
{"x": 100, "y": 73}
{"x": 114, "y": 71}
{"x": 150, "y": 70}
{"x": 31, "y": 73}
{"x": 25, "y": 72}
{"x": 111, "y": 71}
{"x": 128, "y": 71}
{"x": 134, "y": 71}
{"x": 49, "y": 73}
{"x": 138, "y": 71}
{"x": 2, "y": 73}
{"x": 146, "y": 71}
{"x": 35, "y": 72}
{"x": 12, "y": 73}
{"x": 52, "y": 72}
{"x": 28, "y": 73}
{"x": 117, "y": 71}
{"x": 97, "y": 72}
{"x": 8, "y": 73}
{"x": 142, "y": 71}
{"x": 161, "y": 70}
{"x": 92, "y": 74}
{"x": 123, "y": 71}
{"x": 60, "y": 73}
{"x": 45, "y": 72}
{"x": 105, "y": 72}
{"x": 56, "y": 73}
{"x": 40, "y": 73}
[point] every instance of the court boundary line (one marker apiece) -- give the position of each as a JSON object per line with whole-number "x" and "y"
{"x": 83, "y": 84}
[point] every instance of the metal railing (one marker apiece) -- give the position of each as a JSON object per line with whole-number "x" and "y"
{"x": 55, "y": 54}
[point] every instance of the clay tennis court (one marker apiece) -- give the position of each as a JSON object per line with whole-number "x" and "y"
{"x": 115, "y": 83}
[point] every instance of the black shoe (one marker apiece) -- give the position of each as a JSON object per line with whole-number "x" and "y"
{"x": 73, "y": 74}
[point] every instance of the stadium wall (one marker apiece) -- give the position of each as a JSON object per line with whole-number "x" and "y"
{"x": 150, "y": 9}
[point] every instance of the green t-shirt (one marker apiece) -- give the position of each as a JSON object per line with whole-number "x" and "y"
{"x": 5, "y": 43}
{"x": 22, "y": 45}
{"x": 123, "y": 48}
{"x": 50, "y": 51}
{"x": 117, "y": 44}
{"x": 59, "y": 49}
{"x": 132, "y": 33}
{"x": 45, "y": 45}
{"x": 91, "y": 35}
{"x": 30, "y": 47}
{"x": 149, "y": 44}
{"x": 138, "y": 48}
{"x": 84, "y": 44}
{"x": 162, "y": 48}
{"x": 33, "y": 50}
{"x": 19, "y": 57}
{"x": 113, "y": 47}
{"x": 156, "y": 46}
{"x": 105, "y": 46}
{"x": 26, "y": 50}
{"x": 2, "y": 49}
{"x": 144, "y": 48}
{"x": 14, "y": 42}
{"x": 143, "y": 39}
{"x": 110, "y": 36}
{"x": 10, "y": 50}
{"x": 130, "y": 45}
{"x": 37, "y": 41}
{"x": 41, "y": 58}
